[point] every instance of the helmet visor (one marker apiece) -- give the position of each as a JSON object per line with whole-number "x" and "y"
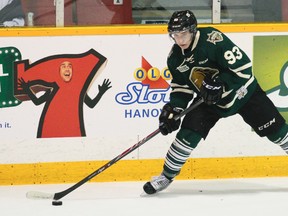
{"x": 183, "y": 35}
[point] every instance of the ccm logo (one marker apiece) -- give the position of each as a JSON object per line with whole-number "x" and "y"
{"x": 267, "y": 124}
{"x": 207, "y": 86}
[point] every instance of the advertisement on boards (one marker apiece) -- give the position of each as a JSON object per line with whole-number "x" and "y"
{"x": 79, "y": 98}
{"x": 271, "y": 68}
{"x": 89, "y": 95}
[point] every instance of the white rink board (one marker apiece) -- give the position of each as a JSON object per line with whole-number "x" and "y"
{"x": 109, "y": 133}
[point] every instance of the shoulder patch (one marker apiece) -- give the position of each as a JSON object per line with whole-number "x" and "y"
{"x": 214, "y": 37}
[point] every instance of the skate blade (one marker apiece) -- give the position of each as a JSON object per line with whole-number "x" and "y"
{"x": 144, "y": 195}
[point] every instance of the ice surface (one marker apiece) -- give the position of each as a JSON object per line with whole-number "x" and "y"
{"x": 262, "y": 196}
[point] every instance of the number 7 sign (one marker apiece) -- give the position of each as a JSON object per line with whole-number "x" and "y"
{"x": 64, "y": 81}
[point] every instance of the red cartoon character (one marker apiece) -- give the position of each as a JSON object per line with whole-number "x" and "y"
{"x": 65, "y": 80}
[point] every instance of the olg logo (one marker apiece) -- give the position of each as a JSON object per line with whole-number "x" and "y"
{"x": 152, "y": 74}
{"x": 152, "y": 87}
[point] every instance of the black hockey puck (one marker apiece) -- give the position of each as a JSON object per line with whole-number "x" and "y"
{"x": 57, "y": 203}
{"x": 148, "y": 188}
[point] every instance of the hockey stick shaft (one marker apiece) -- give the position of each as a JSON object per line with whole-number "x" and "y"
{"x": 59, "y": 195}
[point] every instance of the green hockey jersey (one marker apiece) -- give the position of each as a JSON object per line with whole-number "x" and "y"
{"x": 214, "y": 53}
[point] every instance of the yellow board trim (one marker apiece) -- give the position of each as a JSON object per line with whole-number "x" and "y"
{"x": 132, "y": 29}
{"x": 142, "y": 170}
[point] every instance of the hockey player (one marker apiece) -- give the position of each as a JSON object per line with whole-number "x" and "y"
{"x": 205, "y": 62}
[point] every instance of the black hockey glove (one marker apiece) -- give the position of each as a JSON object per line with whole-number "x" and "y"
{"x": 211, "y": 90}
{"x": 167, "y": 123}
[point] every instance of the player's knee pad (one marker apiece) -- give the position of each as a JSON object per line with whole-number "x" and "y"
{"x": 188, "y": 137}
{"x": 280, "y": 137}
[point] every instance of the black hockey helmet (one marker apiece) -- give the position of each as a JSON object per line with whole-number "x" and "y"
{"x": 181, "y": 21}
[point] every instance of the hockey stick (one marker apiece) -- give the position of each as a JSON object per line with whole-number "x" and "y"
{"x": 59, "y": 195}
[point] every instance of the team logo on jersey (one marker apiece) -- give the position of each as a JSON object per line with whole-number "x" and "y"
{"x": 214, "y": 37}
{"x": 198, "y": 73}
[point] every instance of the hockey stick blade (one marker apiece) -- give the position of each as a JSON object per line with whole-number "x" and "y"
{"x": 39, "y": 195}
{"x": 59, "y": 195}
